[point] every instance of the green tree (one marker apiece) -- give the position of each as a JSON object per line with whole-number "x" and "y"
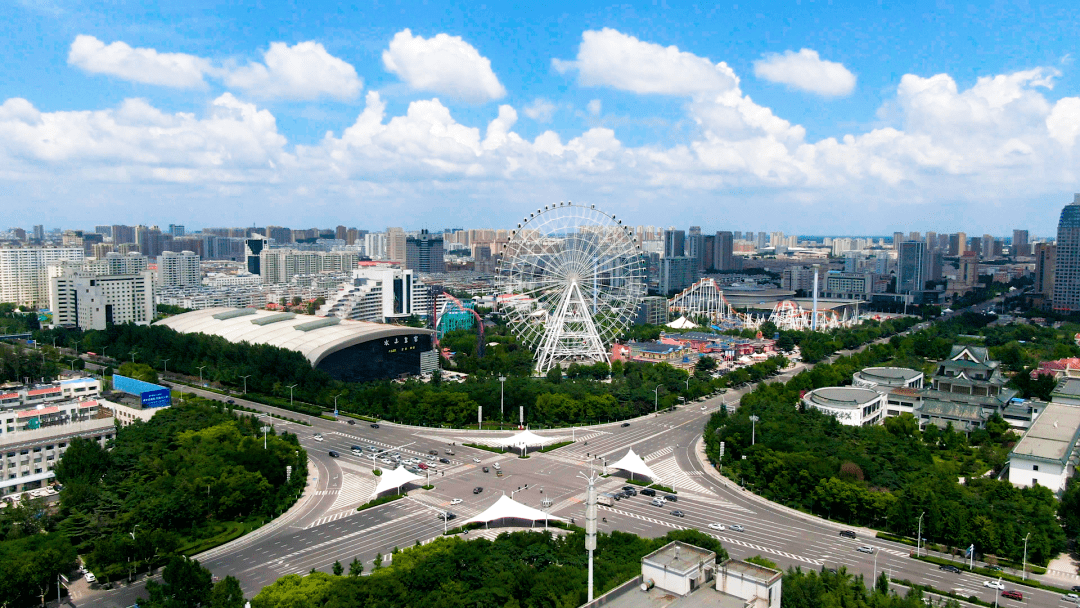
{"x": 227, "y": 594}
{"x": 138, "y": 371}
{"x": 338, "y": 568}
{"x": 356, "y": 567}
{"x": 185, "y": 584}
{"x": 84, "y": 461}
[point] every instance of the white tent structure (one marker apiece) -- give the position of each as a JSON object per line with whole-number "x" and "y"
{"x": 393, "y": 480}
{"x": 524, "y": 439}
{"x": 632, "y": 463}
{"x": 508, "y": 508}
{"x": 681, "y": 323}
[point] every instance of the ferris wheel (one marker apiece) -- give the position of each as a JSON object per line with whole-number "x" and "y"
{"x": 569, "y": 281}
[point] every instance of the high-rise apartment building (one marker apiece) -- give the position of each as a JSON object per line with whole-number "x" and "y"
{"x": 424, "y": 253}
{"x": 104, "y": 230}
{"x": 122, "y": 234}
{"x": 39, "y": 233}
{"x": 1045, "y": 256}
{"x": 986, "y": 247}
{"x": 281, "y": 265}
{"x": 375, "y": 246}
{"x": 723, "y": 251}
{"x": 179, "y": 269}
{"x": 89, "y": 295}
{"x": 957, "y": 244}
{"x": 674, "y": 243}
{"x": 931, "y": 241}
{"x": 1020, "y": 243}
{"x": 911, "y": 267}
{"x": 1067, "y": 264}
{"x": 395, "y": 245}
{"x": 24, "y": 273}
{"x": 695, "y": 247}
{"x": 897, "y": 238}
{"x": 676, "y": 274}
{"x": 253, "y": 249}
{"x": 176, "y": 230}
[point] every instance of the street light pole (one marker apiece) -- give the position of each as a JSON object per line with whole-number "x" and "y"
{"x": 245, "y": 382}
{"x": 335, "y": 404}
{"x": 656, "y": 398}
{"x": 753, "y": 429}
{"x": 290, "y": 393}
{"x": 918, "y": 543}
{"x": 165, "y": 362}
{"x": 201, "y": 367}
{"x": 133, "y": 353}
{"x": 502, "y": 398}
{"x": 1024, "y": 566}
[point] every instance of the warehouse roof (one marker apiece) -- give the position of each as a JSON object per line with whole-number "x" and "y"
{"x": 314, "y": 337}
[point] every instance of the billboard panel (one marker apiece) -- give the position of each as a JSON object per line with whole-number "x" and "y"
{"x": 152, "y": 395}
{"x": 156, "y": 398}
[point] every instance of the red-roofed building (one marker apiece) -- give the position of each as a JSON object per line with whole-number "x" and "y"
{"x": 1062, "y": 368}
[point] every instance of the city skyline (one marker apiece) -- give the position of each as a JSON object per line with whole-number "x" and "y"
{"x": 873, "y": 119}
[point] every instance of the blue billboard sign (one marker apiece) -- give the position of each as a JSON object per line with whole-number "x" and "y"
{"x": 151, "y": 395}
{"x": 158, "y": 398}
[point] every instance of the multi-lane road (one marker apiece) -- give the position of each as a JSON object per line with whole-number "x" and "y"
{"x": 325, "y": 527}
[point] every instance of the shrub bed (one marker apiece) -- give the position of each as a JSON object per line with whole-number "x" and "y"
{"x": 381, "y": 501}
{"x": 484, "y": 447}
{"x": 1012, "y": 578}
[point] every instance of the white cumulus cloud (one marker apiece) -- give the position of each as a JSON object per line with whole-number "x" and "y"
{"x": 302, "y": 71}
{"x": 611, "y": 58}
{"x": 806, "y": 71}
{"x": 148, "y": 66}
{"x": 442, "y": 64}
{"x": 540, "y": 110}
{"x": 594, "y": 107}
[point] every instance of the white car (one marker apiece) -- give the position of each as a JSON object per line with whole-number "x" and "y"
{"x": 736, "y": 528}
{"x": 865, "y": 549}
{"x": 1071, "y": 597}
{"x": 716, "y": 526}
{"x": 994, "y": 585}
{"x": 90, "y": 578}
{"x": 456, "y": 501}
{"x": 475, "y": 459}
{"x": 318, "y": 437}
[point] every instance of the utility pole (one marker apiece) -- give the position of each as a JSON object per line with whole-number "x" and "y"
{"x": 201, "y": 367}
{"x": 290, "y": 392}
{"x": 753, "y": 429}
{"x": 165, "y": 362}
{"x": 1024, "y": 566}
{"x": 245, "y": 382}
{"x": 656, "y": 398}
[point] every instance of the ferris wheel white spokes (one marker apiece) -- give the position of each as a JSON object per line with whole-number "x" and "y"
{"x": 574, "y": 276}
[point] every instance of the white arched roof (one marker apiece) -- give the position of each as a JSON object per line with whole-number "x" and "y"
{"x": 507, "y": 507}
{"x": 314, "y": 337}
{"x": 394, "y": 479}
{"x": 632, "y": 463}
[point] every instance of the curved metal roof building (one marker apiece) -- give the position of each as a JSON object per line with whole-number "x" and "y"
{"x": 352, "y": 351}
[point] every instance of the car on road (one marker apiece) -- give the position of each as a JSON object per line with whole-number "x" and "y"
{"x": 433, "y": 452}
{"x": 318, "y": 437}
{"x": 625, "y": 424}
{"x": 352, "y": 422}
{"x": 450, "y": 451}
{"x": 487, "y": 470}
{"x": 456, "y": 501}
{"x": 630, "y": 492}
{"x": 1071, "y": 597}
{"x": 356, "y": 448}
{"x": 1076, "y": 588}
{"x": 334, "y": 454}
{"x": 736, "y": 528}
{"x": 498, "y": 472}
{"x": 703, "y": 408}
{"x": 475, "y": 459}
{"x": 716, "y": 527}
{"x": 648, "y": 492}
{"x": 432, "y": 458}
{"x": 865, "y": 549}
{"x": 230, "y": 401}
{"x": 422, "y": 465}
{"x": 444, "y": 460}
{"x": 447, "y": 515}
{"x": 90, "y": 578}
{"x": 678, "y": 513}
{"x": 847, "y": 534}
{"x": 374, "y": 425}
{"x": 948, "y": 568}
{"x": 496, "y": 466}
{"x": 1012, "y": 594}
{"x": 671, "y": 498}
{"x": 993, "y": 584}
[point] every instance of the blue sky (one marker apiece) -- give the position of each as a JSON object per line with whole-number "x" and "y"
{"x": 807, "y": 117}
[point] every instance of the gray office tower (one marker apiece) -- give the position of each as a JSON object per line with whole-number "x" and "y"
{"x": 674, "y": 243}
{"x": 1020, "y": 244}
{"x": 1067, "y": 264}
{"x": 723, "y": 251}
{"x": 911, "y": 267}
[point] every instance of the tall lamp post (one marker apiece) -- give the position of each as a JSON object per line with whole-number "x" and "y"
{"x": 245, "y": 382}
{"x": 918, "y": 544}
{"x": 1024, "y": 566}
{"x": 201, "y": 367}
{"x": 335, "y": 404}
{"x": 290, "y": 394}
{"x": 753, "y": 429}
{"x": 656, "y": 398}
{"x": 502, "y": 397}
{"x": 165, "y": 362}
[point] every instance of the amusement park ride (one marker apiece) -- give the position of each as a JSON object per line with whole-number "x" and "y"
{"x": 704, "y": 299}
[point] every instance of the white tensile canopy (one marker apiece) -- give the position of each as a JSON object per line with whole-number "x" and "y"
{"x": 507, "y": 507}
{"x": 524, "y": 438}
{"x": 394, "y": 479}
{"x": 632, "y": 463}
{"x": 681, "y": 323}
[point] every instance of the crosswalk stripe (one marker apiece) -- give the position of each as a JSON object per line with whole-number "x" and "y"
{"x": 671, "y": 474}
